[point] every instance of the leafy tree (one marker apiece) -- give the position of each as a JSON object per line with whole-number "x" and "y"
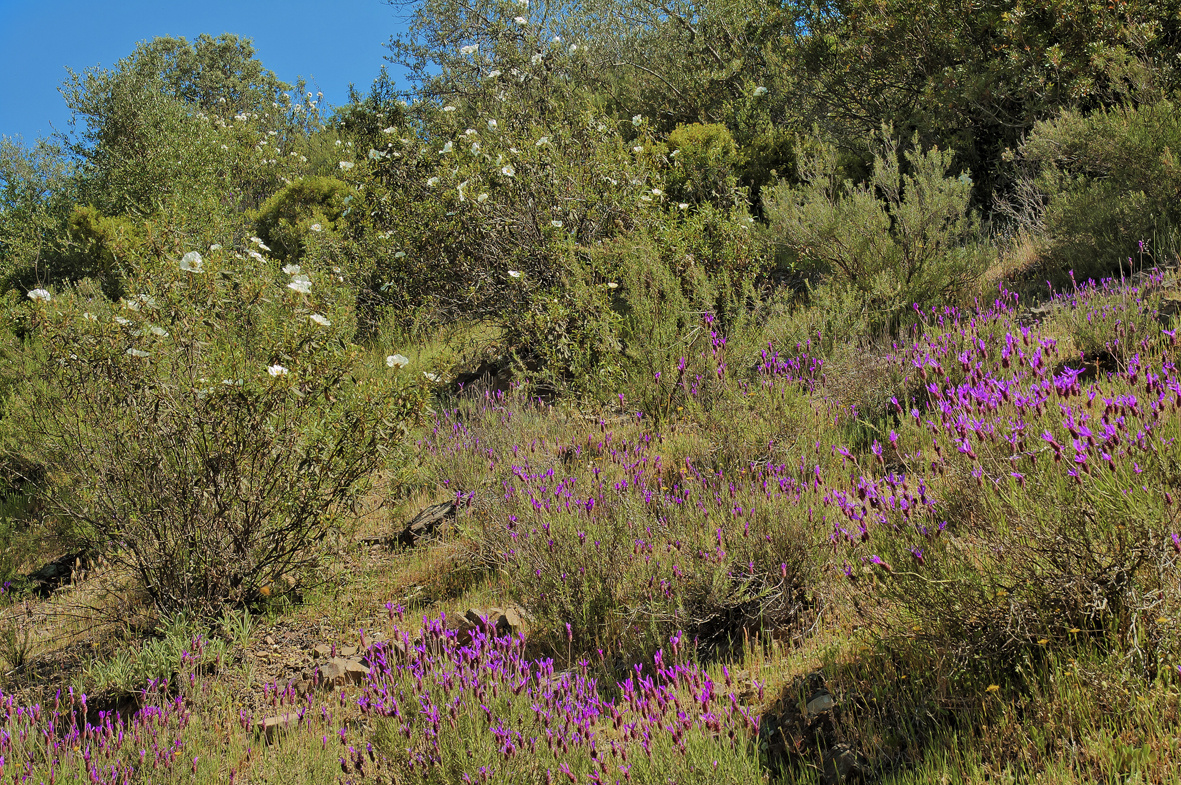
{"x": 148, "y": 129}
{"x": 36, "y": 192}
{"x": 677, "y": 63}
{"x": 976, "y": 76}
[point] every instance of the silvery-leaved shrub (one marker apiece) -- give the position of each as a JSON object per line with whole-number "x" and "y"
{"x": 905, "y": 236}
{"x": 208, "y": 429}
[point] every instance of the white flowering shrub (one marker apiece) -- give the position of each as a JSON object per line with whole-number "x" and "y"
{"x": 209, "y": 428}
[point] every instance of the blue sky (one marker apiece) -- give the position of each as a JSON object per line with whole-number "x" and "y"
{"x": 329, "y": 44}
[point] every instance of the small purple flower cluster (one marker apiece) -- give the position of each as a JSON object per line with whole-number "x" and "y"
{"x": 478, "y": 707}
{"x": 70, "y": 740}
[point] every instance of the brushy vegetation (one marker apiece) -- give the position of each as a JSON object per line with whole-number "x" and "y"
{"x": 802, "y": 379}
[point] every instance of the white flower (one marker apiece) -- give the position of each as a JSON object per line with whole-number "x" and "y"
{"x": 448, "y": 108}
{"x": 316, "y": 228}
{"x": 159, "y": 332}
{"x": 475, "y": 148}
{"x": 88, "y": 316}
{"x": 514, "y": 273}
{"x": 431, "y": 377}
{"x": 346, "y": 165}
{"x": 192, "y": 263}
{"x": 557, "y": 39}
{"x": 657, "y": 192}
{"x": 541, "y": 141}
{"x": 535, "y": 59}
{"x": 276, "y": 370}
{"x": 612, "y": 285}
{"x": 432, "y": 182}
{"x": 493, "y": 74}
{"x": 397, "y": 361}
{"x": 137, "y": 353}
{"x": 573, "y": 48}
{"x": 469, "y": 132}
{"x": 400, "y": 255}
{"x": 292, "y": 269}
{"x": 375, "y": 155}
{"x": 214, "y": 247}
{"x": 683, "y": 205}
{"x": 256, "y": 256}
{"x": 470, "y": 49}
{"x": 638, "y": 149}
{"x": 301, "y": 284}
{"x": 521, "y": 20}
{"x": 637, "y": 119}
{"x": 760, "y": 91}
{"x": 119, "y": 320}
{"x": 482, "y": 198}
{"x": 459, "y": 188}
{"x": 507, "y": 170}
{"x": 491, "y": 125}
{"x": 320, "y": 320}
{"x": 39, "y": 295}
{"x": 389, "y": 130}
{"x": 447, "y": 148}
{"x": 556, "y": 224}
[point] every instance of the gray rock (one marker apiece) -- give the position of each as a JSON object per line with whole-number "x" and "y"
{"x": 820, "y": 702}
{"x": 272, "y": 727}
{"x": 843, "y": 764}
{"x": 425, "y": 523}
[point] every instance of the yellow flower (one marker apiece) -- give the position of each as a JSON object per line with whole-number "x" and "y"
{"x": 1043, "y": 641}
{"x": 993, "y": 688}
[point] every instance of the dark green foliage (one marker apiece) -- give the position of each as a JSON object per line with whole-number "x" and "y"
{"x": 1109, "y": 184}
{"x": 703, "y": 159}
{"x": 284, "y": 221}
{"x": 364, "y": 118}
{"x": 977, "y": 76}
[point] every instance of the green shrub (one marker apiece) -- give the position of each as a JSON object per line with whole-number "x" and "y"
{"x": 703, "y": 163}
{"x": 1106, "y": 188}
{"x": 209, "y": 429}
{"x": 152, "y": 661}
{"x": 904, "y": 237}
{"x": 676, "y": 283}
{"x": 287, "y": 217}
